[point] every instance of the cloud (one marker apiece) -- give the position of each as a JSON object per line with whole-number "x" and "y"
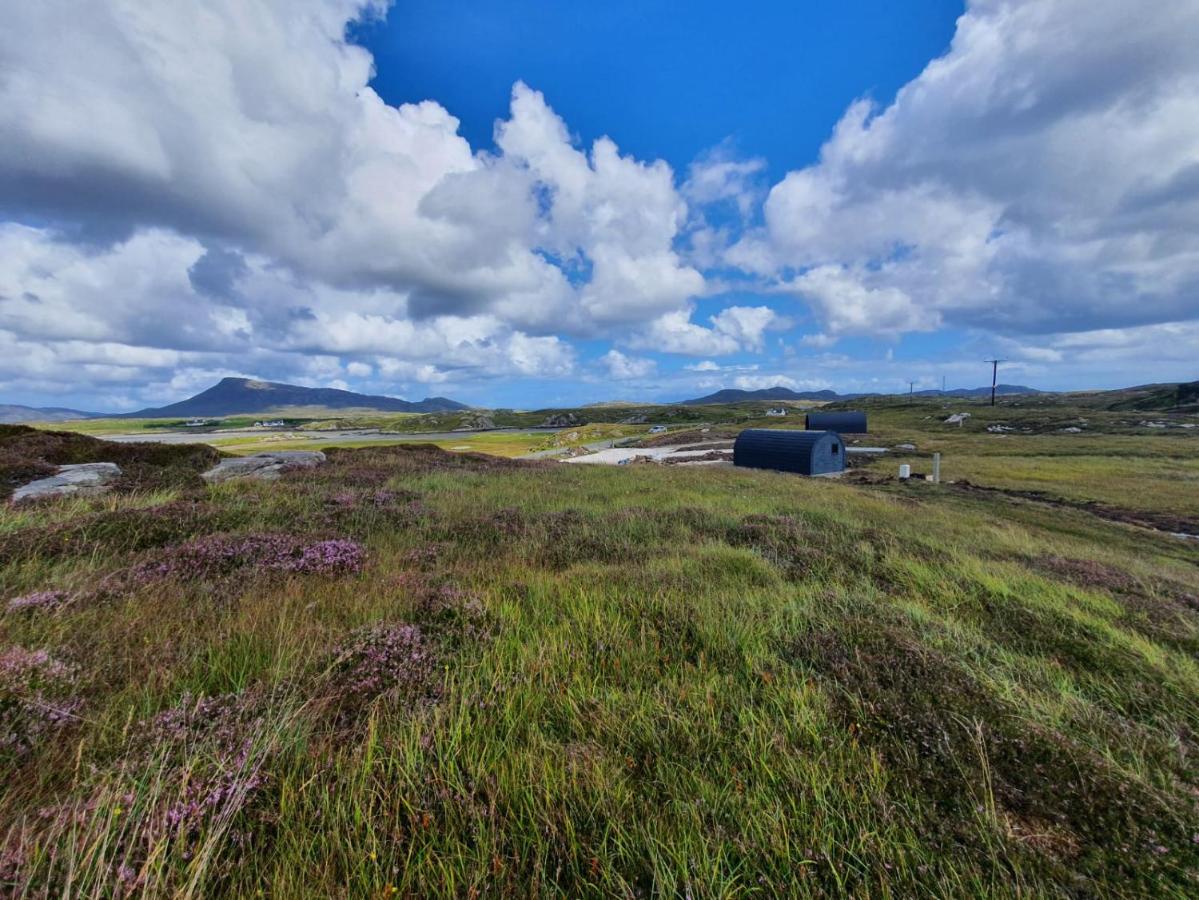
{"x": 195, "y": 189}
{"x": 733, "y": 329}
{"x": 1039, "y": 177}
{"x": 132, "y": 314}
{"x": 221, "y": 175}
{"x": 760, "y": 382}
{"x": 624, "y": 368}
{"x": 720, "y": 177}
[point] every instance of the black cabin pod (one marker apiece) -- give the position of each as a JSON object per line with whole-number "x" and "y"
{"x": 803, "y": 452}
{"x": 840, "y": 422}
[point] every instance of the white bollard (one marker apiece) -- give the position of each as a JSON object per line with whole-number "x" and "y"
{"x": 905, "y": 472}
{"x": 936, "y": 468}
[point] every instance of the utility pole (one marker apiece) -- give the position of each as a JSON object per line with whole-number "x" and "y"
{"x": 911, "y": 388}
{"x": 942, "y": 384}
{"x": 994, "y": 376}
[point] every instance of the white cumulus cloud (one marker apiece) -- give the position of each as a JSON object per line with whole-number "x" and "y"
{"x": 1041, "y": 176}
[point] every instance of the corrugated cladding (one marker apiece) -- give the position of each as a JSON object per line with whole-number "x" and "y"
{"x": 848, "y": 422}
{"x": 803, "y": 452}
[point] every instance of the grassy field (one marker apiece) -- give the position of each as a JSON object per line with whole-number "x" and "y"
{"x": 417, "y": 673}
{"x": 1111, "y": 460}
{"x": 505, "y": 443}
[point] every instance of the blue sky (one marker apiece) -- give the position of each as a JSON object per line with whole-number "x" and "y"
{"x": 541, "y": 203}
{"x": 665, "y": 81}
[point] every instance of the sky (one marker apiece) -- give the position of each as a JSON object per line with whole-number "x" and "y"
{"x": 544, "y": 203}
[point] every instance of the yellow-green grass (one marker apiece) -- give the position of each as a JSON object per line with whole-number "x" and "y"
{"x": 648, "y": 682}
{"x": 103, "y": 427}
{"x": 505, "y": 444}
{"x": 1154, "y": 484}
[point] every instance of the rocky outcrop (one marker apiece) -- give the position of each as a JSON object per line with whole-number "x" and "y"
{"x": 263, "y": 466}
{"x": 78, "y": 480}
{"x": 475, "y": 422}
{"x": 562, "y": 420}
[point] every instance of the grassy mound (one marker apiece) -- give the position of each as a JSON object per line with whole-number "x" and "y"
{"x": 27, "y": 454}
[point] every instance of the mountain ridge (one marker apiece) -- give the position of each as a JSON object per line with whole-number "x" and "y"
{"x": 233, "y": 396}
{"x": 15, "y": 414}
{"x": 736, "y": 395}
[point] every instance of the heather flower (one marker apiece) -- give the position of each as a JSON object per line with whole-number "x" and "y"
{"x": 425, "y": 556}
{"x": 224, "y": 790}
{"x": 219, "y": 554}
{"x": 326, "y": 557}
{"x": 34, "y": 697}
{"x": 222, "y": 720}
{"x": 39, "y": 600}
{"x": 383, "y": 658}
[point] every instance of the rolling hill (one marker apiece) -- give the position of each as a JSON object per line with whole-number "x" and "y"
{"x": 231, "y": 396}
{"x": 14, "y": 414}
{"x": 732, "y": 395}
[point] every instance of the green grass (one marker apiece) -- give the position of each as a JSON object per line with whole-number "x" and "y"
{"x": 640, "y": 682}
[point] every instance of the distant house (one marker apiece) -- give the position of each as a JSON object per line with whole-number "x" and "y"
{"x": 776, "y": 411}
{"x": 657, "y": 429}
{"x": 195, "y": 423}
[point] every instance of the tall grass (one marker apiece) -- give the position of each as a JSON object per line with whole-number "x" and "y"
{"x": 574, "y": 681}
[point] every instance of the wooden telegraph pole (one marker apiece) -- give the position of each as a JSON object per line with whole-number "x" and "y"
{"x": 994, "y": 376}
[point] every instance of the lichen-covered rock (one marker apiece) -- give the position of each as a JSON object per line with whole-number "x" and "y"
{"x": 264, "y": 466}
{"x": 83, "y": 478}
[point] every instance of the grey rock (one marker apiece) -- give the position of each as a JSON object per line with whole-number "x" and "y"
{"x": 476, "y": 422}
{"x": 80, "y": 480}
{"x": 905, "y": 446}
{"x": 263, "y": 466}
{"x": 562, "y": 420}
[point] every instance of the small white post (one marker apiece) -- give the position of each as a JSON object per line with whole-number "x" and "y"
{"x": 936, "y": 468}
{"x": 905, "y": 472}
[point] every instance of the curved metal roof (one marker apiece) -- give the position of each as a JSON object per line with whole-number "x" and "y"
{"x": 786, "y": 450}
{"x": 848, "y": 422}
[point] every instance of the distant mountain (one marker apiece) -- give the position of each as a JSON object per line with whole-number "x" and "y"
{"x": 1003, "y": 390}
{"x": 11, "y": 414}
{"x": 615, "y": 404}
{"x": 231, "y": 396}
{"x": 732, "y": 395}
